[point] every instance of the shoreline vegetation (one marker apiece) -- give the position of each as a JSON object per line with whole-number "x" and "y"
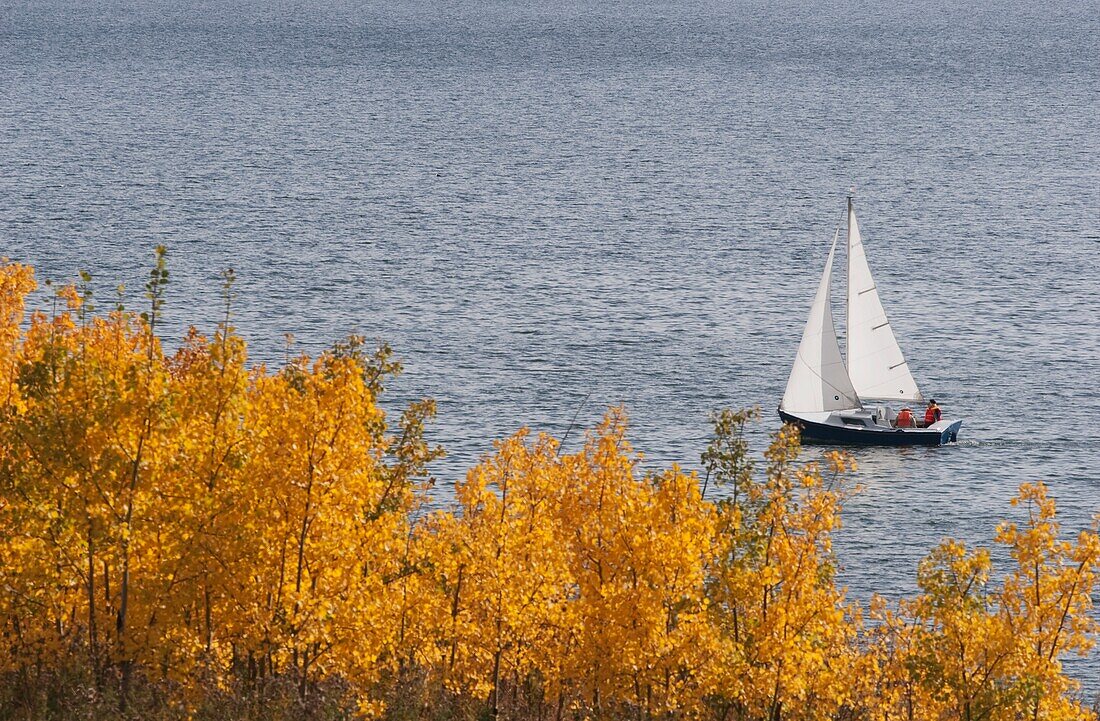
{"x": 186, "y": 535}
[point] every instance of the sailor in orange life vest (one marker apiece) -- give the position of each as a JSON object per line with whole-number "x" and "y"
{"x": 932, "y": 415}
{"x": 905, "y": 418}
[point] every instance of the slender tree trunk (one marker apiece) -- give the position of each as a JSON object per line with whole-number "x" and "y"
{"x": 300, "y": 660}
{"x": 494, "y": 699}
{"x": 124, "y": 590}
{"x": 774, "y": 713}
{"x": 93, "y": 635}
{"x": 302, "y": 686}
{"x": 454, "y": 619}
{"x": 206, "y": 615}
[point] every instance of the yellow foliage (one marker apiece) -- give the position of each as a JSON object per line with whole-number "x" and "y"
{"x": 963, "y": 650}
{"x": 789, "y": 637}
{"x": 211, "y": 527}
{"x": 189, "y": 517}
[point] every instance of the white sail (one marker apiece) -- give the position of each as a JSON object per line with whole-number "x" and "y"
{"x": 819, "y": 381}
{"x": 875, "y": 361}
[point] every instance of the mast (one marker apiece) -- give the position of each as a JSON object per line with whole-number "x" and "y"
{"x": 848, "y": 216}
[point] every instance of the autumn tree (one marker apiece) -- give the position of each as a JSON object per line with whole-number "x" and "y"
{"x": 788, "y": 636}
{"x": 969, "y": 648}
{"x": 574, "y": 577}
{"x": 191, "y": 517}
{"x": 502, "y": 573}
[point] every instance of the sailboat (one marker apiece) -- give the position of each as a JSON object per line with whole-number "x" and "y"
{"x": 855, "y": 401}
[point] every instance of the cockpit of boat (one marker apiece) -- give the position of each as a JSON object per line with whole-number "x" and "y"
{"x": 880, "y": 416}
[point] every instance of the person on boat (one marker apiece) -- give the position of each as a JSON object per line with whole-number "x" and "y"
{"x": 932, "y": 414}
{"x": 905, "y": 418}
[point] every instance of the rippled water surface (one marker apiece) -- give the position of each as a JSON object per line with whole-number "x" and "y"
{"x": 629, "y": 202}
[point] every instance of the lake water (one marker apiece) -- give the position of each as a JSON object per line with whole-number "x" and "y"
{"x": 624, "y": 202}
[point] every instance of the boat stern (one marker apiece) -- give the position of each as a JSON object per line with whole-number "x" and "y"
{"x": 949, "y": 430}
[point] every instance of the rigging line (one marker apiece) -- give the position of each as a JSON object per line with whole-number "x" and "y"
{"x": 573, "y": 422}
{"x": 821, "y": 377}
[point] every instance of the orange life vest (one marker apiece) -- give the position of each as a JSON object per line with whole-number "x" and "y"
{"x": 905, "y": 418}
{"x": 931, "y": 415}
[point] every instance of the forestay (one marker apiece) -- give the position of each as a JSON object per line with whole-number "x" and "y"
{"x": 875, "y": 361}
{"x": 819, "y": 380}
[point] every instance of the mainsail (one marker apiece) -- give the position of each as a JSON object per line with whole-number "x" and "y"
{"x": 875, "y": 361}
{"x": 819, "y": 381}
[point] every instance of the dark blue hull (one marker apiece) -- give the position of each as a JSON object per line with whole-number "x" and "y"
{"x": 855, "y": 436}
